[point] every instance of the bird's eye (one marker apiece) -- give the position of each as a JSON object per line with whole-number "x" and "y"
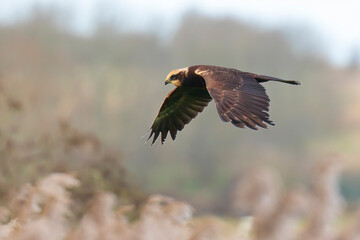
{"x": 173, "y": 77}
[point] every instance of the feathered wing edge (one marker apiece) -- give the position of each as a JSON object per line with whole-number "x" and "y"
{"x": 239, "y": 98}
{"x": 178, "y": 109}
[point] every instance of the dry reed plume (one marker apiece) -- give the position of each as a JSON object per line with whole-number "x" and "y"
{"x": 43, "y": 211}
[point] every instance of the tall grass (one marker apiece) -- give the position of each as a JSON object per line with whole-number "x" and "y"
{"x": 43, "y": 210}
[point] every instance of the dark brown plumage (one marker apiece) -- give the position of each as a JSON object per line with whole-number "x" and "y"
{"x": 239, "y": 98}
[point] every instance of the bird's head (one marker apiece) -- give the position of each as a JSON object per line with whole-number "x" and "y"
{"x": 176, "y": 76}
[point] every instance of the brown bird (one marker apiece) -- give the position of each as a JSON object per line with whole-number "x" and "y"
{"x": 239, "y": 98}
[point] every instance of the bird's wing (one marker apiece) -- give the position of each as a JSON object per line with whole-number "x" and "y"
{"x": 239, "y": 98}
{"x": 179, "y": 107}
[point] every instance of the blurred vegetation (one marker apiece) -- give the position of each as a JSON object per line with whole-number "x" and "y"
{"x": 262, "y": 210}
{"x": 66, "y": 99}
{"x": 64, "y": 149}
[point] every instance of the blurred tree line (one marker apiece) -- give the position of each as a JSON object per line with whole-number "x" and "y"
{"x": 110, "y": 84}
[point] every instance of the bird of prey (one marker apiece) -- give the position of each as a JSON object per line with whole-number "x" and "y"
{"x": 239, "y": 98}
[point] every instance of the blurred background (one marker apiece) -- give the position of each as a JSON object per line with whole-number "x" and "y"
{"x": 82, "y": 81}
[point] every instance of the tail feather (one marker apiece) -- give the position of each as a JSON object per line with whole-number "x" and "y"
{"x": 263, "y": 78}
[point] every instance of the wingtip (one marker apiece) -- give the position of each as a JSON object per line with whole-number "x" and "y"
{"x": 149, "y": 135}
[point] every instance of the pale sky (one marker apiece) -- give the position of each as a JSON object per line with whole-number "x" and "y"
{"x": 337, "y": 22}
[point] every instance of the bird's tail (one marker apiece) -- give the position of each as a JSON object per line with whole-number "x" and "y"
{"x": 263, "y": 78}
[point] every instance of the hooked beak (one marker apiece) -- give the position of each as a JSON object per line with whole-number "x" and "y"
{"x": 176, "y": 82}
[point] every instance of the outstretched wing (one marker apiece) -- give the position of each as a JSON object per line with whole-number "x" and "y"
{"x": 178, "y": 109}
{"x": 239, "y": 98}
